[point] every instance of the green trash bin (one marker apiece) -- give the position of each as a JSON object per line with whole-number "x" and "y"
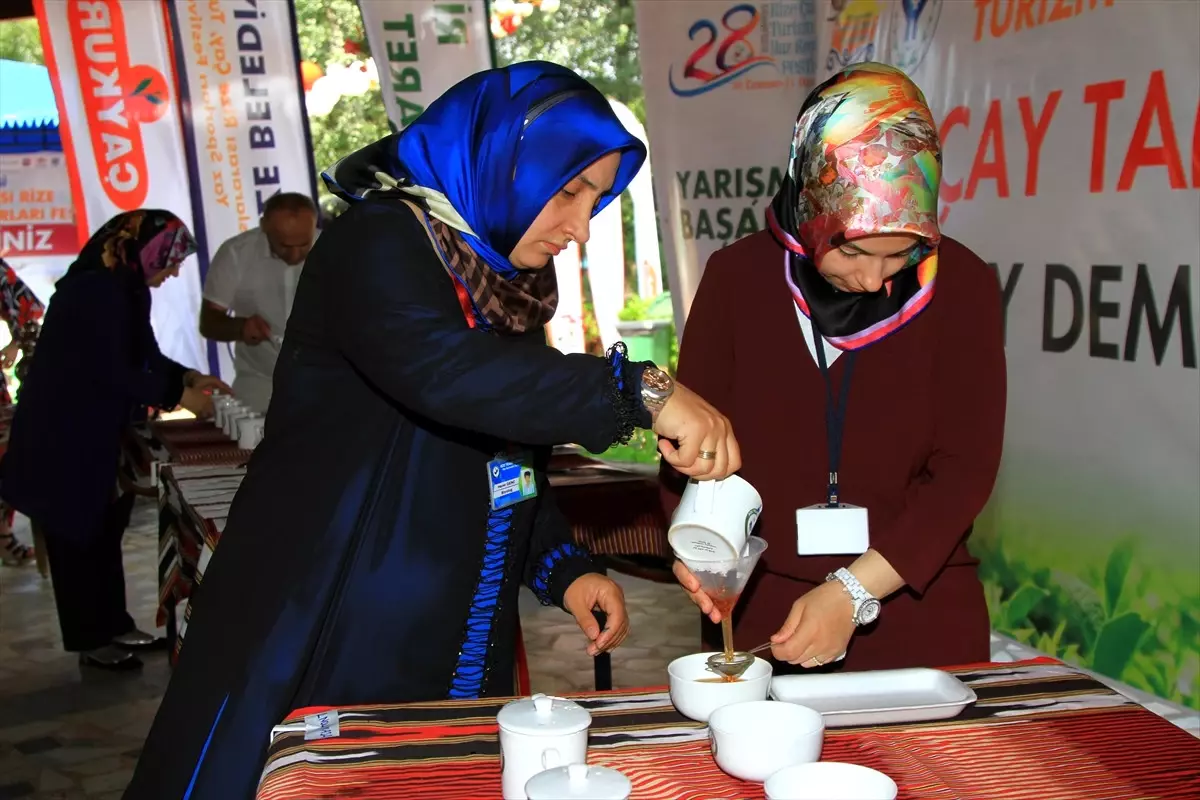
{"x": 647, "y": 339}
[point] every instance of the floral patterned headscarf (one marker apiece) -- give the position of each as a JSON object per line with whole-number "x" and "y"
{"x": 147, "y": 241}
{"x": 865, "y": 161}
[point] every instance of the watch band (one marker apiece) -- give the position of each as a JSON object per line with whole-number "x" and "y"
{"x": 866, "y": 605}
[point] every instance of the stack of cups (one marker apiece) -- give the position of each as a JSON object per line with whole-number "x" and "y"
{"x": 221, "y": 405}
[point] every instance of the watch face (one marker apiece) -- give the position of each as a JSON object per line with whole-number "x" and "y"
{"x": 656, "y": 380}
{"x": 868, "y": 612}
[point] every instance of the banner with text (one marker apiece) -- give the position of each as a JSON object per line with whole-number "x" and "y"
{"x": 38, "y": 237}
{"x": 247, "y": 133}
{"x": 723, "y": 83}
{"x": 1071, "y": 146}
{"x": 109, "y": 63}
{"x": 422, "y": 48}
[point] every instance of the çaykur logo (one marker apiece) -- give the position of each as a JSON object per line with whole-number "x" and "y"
{"x": 118, "y": 98}
{"x": 914, "y": 23}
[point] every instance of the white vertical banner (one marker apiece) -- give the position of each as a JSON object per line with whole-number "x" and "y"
{"x": 724, "y": 81}
{"x": 604, "y": 256}
{"x": 110, "y": 66}
{"x": 645, "y": 223}
{"x": 565, "y": 331}
{"x": 247, "y": 131}
{"x": 422, "y": 48}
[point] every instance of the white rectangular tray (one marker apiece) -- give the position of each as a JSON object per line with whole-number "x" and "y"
{"x": 876, "y": 698}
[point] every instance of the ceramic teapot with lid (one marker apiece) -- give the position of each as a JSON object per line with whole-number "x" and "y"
{"x": 539, "y": 733}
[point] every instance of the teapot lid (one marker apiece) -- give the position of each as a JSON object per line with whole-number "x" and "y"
{"x": 542, "y": 715}
{"x": 579, "y": 782}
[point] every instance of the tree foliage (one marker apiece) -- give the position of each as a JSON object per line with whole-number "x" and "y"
{"x": 20, "y": 41}
{"x": 324, "y": 27}
{"x": 596, "y": 39}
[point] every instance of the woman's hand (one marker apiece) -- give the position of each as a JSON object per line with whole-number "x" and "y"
{"x": 696, "y": 426}
{"x": 596, "y": 591}
{"x": 8, "y": 356}
{"x": 197, "y": 401}
{"x": 691, "y": 585}
{"x": 818, "y": 628}
{"x": 194, "y": 379}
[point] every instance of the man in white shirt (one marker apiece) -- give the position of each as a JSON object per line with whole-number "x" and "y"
{"x": 249, "y": 290}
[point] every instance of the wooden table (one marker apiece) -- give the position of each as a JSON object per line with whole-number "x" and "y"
{"x": 1039, "y": 731}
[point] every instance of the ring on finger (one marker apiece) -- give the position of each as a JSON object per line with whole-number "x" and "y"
{"x": 817, "y": 659}
{"x": 708, "y": 455}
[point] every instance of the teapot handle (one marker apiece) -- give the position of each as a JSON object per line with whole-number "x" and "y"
{"x": 551, "y": 758}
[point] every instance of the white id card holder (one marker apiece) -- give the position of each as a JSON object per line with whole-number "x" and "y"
{"x": 837, "y": 530}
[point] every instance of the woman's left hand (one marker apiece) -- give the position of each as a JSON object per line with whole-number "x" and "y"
{"x": 595, "y": 591}
{"x": 818, "y": 628}
{"x": 194, "y": 379}
{"x": 8, "y": 356}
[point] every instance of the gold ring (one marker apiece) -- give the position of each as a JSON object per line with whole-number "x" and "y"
{"x": 708, "y": 455}
{"x": 820, "y": 663}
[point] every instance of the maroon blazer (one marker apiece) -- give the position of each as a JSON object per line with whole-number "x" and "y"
{"x": 922, "y": 441}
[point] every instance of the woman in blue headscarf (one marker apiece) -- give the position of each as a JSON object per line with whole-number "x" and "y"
{"x": 376, "y": 547}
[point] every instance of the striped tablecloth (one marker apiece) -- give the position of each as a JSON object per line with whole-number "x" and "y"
{"x": 194, "y": 502}
{"x": 1040, "y": 731}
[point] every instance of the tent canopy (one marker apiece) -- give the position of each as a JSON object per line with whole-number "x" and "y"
{"x": 28, "y": 114}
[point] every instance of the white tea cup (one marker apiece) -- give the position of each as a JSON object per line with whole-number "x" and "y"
{"x": 830, "y": 780}
{"x": 221, "y": 405}
{"x": 714, "y": 519}
{"x": 250, "y": 431}
{"x": 754, "y": 740}
{"x": 232, "y": 415}
{"x": 536, "y": 734}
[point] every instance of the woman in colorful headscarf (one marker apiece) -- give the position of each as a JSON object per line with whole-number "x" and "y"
{"x": 97, "y": 369}
{"x": 860, "y": 354}
{"x": 375, "y": 550}
{"x": 22, "y": 312}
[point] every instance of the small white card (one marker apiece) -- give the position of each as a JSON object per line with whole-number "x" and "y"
{"x": 322, "y": 726}
{"x": 824, "y": 530}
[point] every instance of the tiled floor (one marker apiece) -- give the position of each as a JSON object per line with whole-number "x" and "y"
{"x": 68, "y": 733}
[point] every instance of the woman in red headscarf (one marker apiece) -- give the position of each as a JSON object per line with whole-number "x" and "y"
{"x": 860, "y": 356}
{"x": 98, "y": 367}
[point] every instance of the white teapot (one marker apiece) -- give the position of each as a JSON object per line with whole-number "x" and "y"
{"x": 536, "y": 734}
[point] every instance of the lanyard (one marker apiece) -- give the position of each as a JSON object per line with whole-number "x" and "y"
{"x": 835, "y": 413}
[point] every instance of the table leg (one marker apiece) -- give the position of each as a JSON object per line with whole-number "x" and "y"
{"x": 602, "y": 664}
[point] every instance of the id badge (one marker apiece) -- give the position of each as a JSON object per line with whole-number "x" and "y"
{"x": 824, "y": 530}
{"x": 512, "y": 480}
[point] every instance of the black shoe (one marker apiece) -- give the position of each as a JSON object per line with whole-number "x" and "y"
{"x": 111, "y": 658}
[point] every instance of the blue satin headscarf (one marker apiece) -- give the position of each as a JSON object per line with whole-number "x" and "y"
{"x": 487, "y": 155}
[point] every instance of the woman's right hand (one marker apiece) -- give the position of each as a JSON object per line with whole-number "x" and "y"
{"x": 696, "y": 426}
{"x": 197, "y": 401}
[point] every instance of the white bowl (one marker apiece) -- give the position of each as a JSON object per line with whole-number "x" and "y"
{"x": 696, "y": 698}
{"x": 754, "y": 740}
{"x": 830, "y": 780}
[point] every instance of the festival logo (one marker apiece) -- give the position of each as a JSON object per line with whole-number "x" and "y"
{"x": 118, "y": 98}
{"x": 855, "y": 23}
{"x": 913, "y": 24}
{"x": 722, "y": 53}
